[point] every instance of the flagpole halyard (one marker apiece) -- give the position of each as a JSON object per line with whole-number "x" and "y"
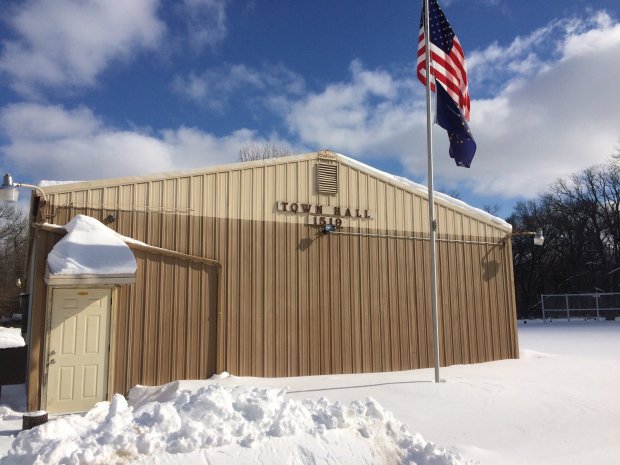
{"x": 431, "y": 192}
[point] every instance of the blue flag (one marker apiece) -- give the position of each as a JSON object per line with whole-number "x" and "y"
{"x": 450, "y": 117}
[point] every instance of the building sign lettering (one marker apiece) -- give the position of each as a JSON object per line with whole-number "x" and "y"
{"x": 324, "y": 214}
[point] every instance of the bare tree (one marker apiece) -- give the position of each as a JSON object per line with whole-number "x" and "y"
{"x": 491, "y": 208}
{"x": 264, "y": 150}
{"x": 580, "y": 217}
{"x": 13, "y": 237}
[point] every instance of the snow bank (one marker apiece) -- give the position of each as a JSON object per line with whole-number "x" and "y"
{"x": 8, "y": 414}
{"x": 11, "y": 337}
{"x": 90, "y": 248}
{"x": 236, "y": 419}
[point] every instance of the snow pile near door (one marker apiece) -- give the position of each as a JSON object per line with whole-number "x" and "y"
{"x": 11, "y": 337}
{"x": 90, "y": 248}
{"x": 217, "y": 424}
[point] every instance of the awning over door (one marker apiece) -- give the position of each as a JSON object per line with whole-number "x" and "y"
{"x": 90, "y": 253}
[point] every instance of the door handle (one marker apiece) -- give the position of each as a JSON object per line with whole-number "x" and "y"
{"x": 52, "y": 361}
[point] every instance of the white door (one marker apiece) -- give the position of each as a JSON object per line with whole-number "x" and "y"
{"x": 78, "y": 349}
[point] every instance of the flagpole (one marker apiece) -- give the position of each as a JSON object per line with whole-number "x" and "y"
{"x": 431, "y": 192}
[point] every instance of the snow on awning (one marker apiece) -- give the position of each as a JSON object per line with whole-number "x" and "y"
{"x": 90, "y": 253}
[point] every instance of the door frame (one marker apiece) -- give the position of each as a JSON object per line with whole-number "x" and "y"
{"x": 111, "y": 338}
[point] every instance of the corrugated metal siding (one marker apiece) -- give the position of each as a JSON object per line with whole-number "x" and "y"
{"x": 294, "y": 302}
{"x": 339, "y": 304}
{"x": 165, "y": 323}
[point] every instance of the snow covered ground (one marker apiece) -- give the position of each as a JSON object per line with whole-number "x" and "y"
{"x": 558, "y": 404}
{"x": 11, "y": 337}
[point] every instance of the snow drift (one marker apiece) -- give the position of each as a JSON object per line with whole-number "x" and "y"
{"x": 183, "y": 422}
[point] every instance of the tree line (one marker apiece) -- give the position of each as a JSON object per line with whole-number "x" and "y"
{"x": 580, "y": 218}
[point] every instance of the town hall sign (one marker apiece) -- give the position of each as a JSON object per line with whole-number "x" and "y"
{"x": 321, "y": 215}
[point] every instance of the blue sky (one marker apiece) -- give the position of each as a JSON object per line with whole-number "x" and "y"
{"x": 92, "y": 89}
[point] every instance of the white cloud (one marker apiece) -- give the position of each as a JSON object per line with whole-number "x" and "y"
{"x": 603, "y": 34}
{"x": 214, "y": 87}
{"x": 489, "y": 69}
{"x": 69, "y": 42}
{"x": 370, "y": 114}
{"x": 551, "y": 109}
{"x": 51, "y": 142}
{"x": 561, "y": 118}
{"x": 555, "y": 113}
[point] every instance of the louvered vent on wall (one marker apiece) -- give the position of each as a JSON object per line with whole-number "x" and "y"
{"x": 327, "y": 178}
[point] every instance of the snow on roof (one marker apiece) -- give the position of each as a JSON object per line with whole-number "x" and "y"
{"x": 11, "y": 337}
{"x": 90, "y": 248}
{"x": 421, "y": 189}
{"x": 50, "y": 183}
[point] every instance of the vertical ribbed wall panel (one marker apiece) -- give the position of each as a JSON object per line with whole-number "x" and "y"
{"x": 166, "y": 323}
{"x": 294, "y": 301}
{"x": 390, "y": 328}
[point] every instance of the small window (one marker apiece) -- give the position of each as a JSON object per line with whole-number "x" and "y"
{"x": 327, "y": 178}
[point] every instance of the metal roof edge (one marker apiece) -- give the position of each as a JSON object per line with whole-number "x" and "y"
{"x": 328, "y": 155}
{"x": 76, "y": 185}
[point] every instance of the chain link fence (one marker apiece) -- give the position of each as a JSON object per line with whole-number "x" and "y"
{"x": 599, "y": 305}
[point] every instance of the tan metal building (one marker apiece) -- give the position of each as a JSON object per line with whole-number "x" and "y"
{"x": 234, "y": 274}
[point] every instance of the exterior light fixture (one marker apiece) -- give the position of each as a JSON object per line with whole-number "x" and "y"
{"x": 8, "y": 189}
{"x": 328, "y": 228}
{"x": 539, "y": 239}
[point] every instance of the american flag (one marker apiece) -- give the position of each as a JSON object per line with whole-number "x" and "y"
{"x": 447, "y": 58}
